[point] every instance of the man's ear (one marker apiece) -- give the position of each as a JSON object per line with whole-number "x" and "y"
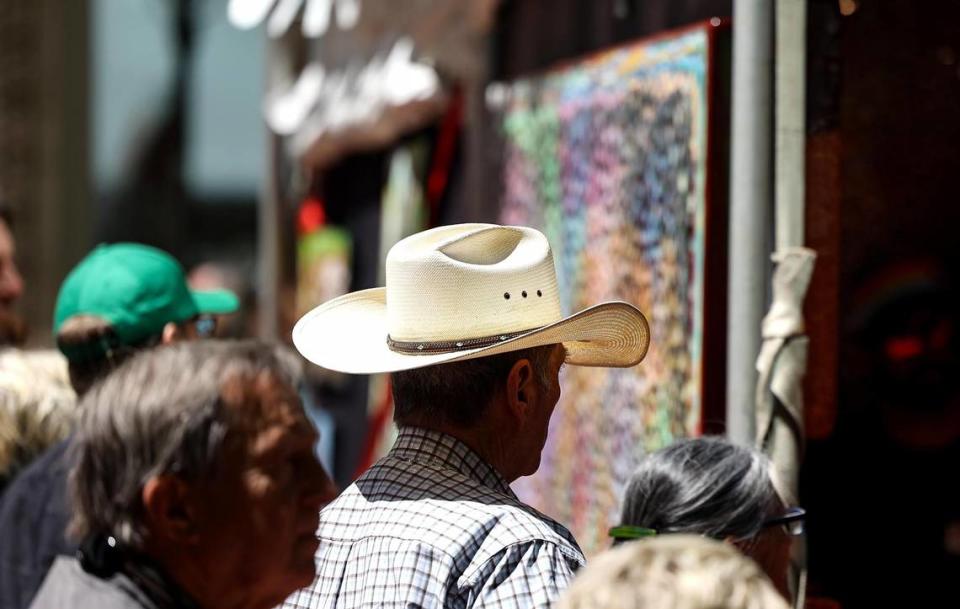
{"x": 171, "y": 333}
{"x": 169, "y": 506}
{"x": 521, "y": 389}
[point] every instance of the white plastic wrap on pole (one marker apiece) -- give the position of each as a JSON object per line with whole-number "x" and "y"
{"x": 791, "y": 81}
{"x": 751, "y": 200}
{"x": 782, "y": 365}
{"x": 782, "y": 362}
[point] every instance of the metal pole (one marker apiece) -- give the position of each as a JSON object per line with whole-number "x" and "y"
{"x": 269, "y": 226}
{"x": 791, "y": 137}
{"x": 784, "y": 444}
{"x": 751, "y": 195}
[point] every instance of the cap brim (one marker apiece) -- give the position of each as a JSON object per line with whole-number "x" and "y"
{"x": 216, "y": 302}
{"x": 349, "y": 334}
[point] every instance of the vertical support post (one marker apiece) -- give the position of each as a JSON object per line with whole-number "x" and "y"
{"x": 784, "y": 445}
{"x": 791, "y": 135}
{"x": 269, "y": 228}
{"x": 751, "y": 196}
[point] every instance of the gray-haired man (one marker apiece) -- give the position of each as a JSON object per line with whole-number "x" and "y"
{"x": 195, "y": 483}
{"x": 119, "y": 300}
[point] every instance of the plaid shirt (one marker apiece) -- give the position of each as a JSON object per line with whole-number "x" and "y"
{"x": 433, "y": 525}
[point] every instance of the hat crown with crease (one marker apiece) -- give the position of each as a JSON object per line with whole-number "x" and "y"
{"x": 470, "y": 281}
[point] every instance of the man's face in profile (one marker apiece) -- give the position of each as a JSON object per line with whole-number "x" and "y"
{"x": 11, "y": 283}
{"x": 262, "y": 512}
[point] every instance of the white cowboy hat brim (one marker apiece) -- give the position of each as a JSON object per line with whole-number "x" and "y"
{"x": 349, "y": 334}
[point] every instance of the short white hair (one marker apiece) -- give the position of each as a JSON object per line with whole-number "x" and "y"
{"x": 672, "y": 572}
{"x": 37, "y": 407}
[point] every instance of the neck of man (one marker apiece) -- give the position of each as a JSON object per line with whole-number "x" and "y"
{"x": 488, "y": 441}
{"x": 205, "y": 584}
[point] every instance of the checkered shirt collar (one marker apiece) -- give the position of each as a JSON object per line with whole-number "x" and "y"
{"x": 428, "y": 447}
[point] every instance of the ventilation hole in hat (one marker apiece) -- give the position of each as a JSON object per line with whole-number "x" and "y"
{"x": 539, "y": 293}
{"x": 506, "y": 295}
{"x": 524, "y": 293}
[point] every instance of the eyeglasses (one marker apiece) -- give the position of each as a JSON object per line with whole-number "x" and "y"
{"x": 204, "y": 325}
{"x": 626, "y": 531}
{"x": 792, "y": 521}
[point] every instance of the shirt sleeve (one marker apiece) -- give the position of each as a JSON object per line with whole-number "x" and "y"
{"x": 528, "y": 575}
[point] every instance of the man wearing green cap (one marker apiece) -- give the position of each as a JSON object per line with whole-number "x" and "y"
{"x": 120, "y": 299}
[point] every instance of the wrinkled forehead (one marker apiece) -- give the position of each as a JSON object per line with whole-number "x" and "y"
{"x": 260, "y": 400}
{"x": 264, "y": 414}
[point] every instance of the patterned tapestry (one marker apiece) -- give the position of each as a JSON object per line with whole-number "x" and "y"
{"x": 608, "y": 157}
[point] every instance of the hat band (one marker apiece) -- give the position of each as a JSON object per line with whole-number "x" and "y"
{"x": 449, "y": 346}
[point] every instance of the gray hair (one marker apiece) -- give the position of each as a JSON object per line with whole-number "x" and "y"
{"x": 704, "y": 485}
{"x": 161, "y": 412}
{"x": 672, "y": 572}
{"x": 459, "y": 392}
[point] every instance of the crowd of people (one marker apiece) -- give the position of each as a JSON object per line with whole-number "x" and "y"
{"x": 167, "y": 468}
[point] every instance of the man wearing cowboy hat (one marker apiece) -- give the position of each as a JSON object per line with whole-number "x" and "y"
{"x": 469, "y": 324}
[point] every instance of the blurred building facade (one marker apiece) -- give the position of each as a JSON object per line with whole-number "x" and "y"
{"x": 44, "y": 170}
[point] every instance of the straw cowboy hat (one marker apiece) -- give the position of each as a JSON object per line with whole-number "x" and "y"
{"x": 460, "y": 292}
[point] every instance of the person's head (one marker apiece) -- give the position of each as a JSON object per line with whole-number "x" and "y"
{"x": 199, "y": 456}
{"x": 125, "y": 297}
{"x": 715, "y": 488}
{"x": 471, "y": 325}
{"x": 672, "y": 572}
{"x": 11, "y": 283}
{"x": 211, "y": 276}
{"x": 37, "y": 407}
{"x": 507, "y": 397}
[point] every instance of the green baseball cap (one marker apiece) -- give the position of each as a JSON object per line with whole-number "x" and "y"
{"x": 138, "y": 289}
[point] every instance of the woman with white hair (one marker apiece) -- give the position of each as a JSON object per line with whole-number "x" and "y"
{"x": 712, "y": 487}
